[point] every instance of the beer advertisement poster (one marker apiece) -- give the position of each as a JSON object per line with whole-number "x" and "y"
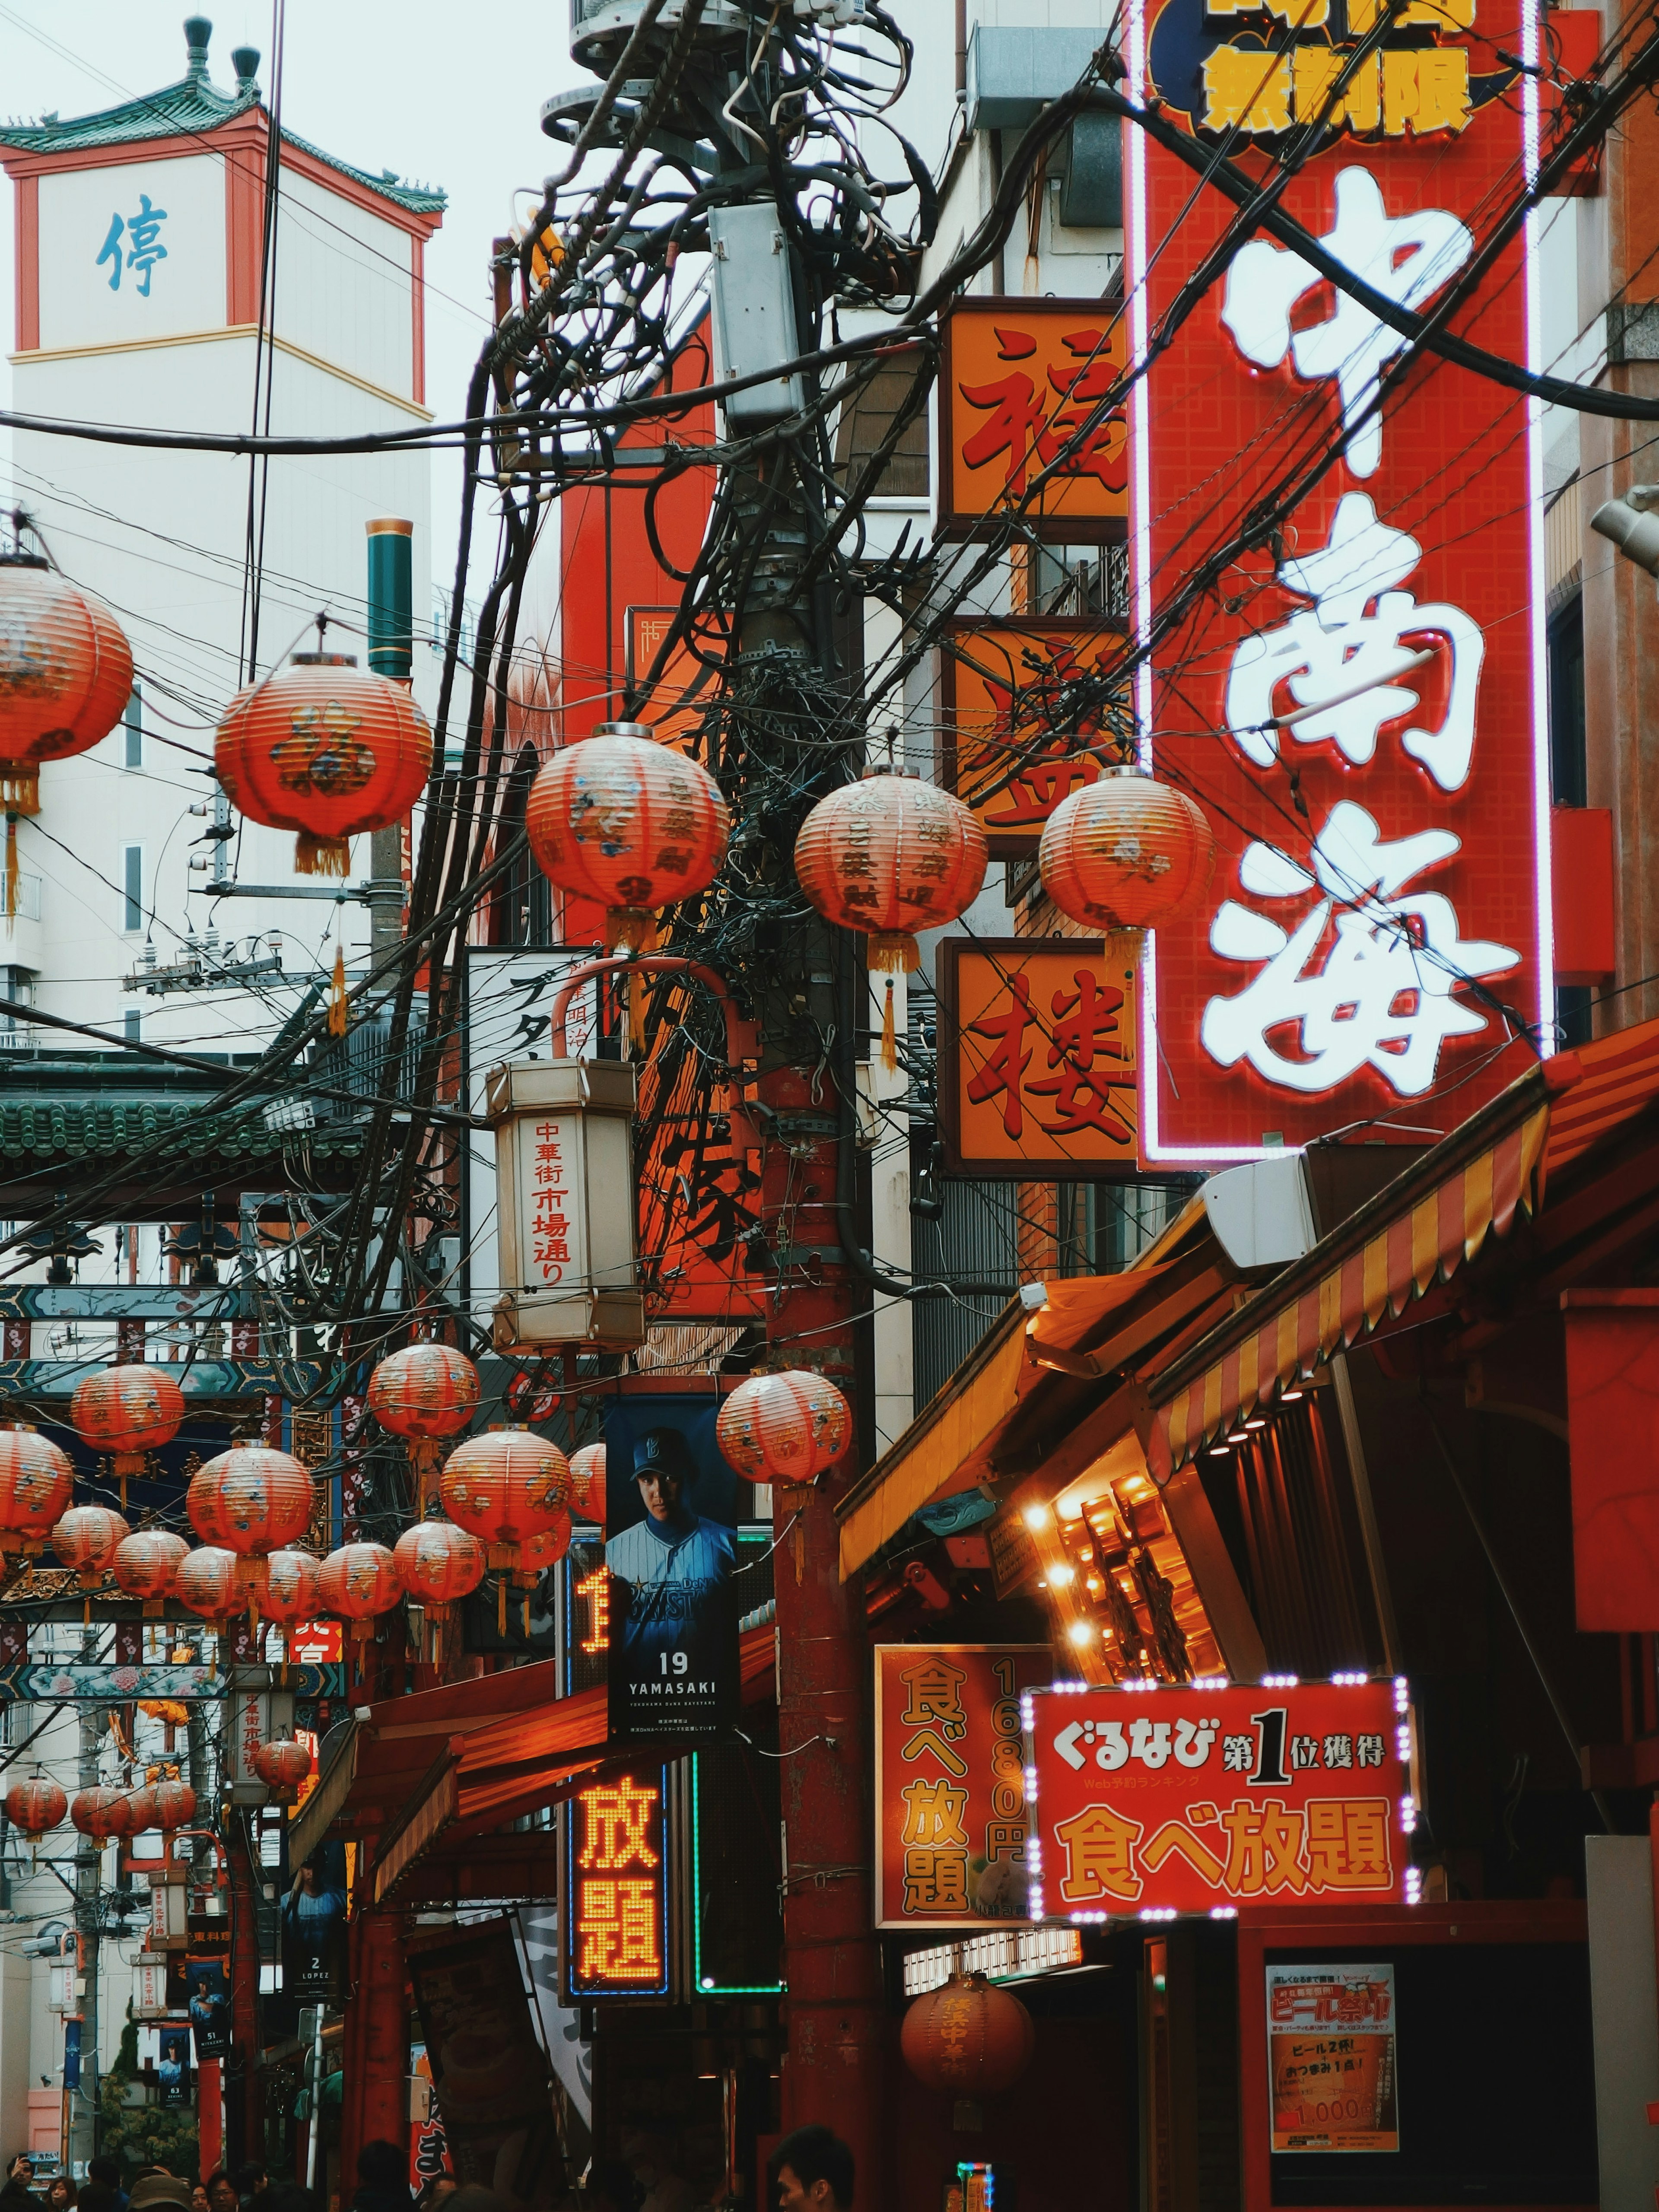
{"x": 1331, "y": 2057}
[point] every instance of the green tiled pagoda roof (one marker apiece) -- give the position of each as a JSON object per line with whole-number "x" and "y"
{"x": 36, "y": 1129}
{"x": 193, "y": 106}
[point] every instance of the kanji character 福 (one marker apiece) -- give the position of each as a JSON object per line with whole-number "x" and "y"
{"x": 1264, "y": 1849}
{"x": 1082, "y": 439}
{"x": 932, "y": 1815}
{"x": 936, "y": 1881}
{"x": 1348, "y": 1843}
{"x": 1407, "y": 258}
{"x": 1349, "y": 648}
{"x": 933, "y": 1693}
{"x": 1381, "y": 996}
{"x": 616, "y": 1932}
{"x": 615, "y": 1831}
{"x": 1100, "y": 1856}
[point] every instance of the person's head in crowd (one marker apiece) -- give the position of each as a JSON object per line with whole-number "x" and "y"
{"x": 382, "y": 2164}
{"x": 611, "y": 2187}
{"x": 105, "y": 2169}
{"x": 61, "y": 2193}
{"x": 810, "y": 2171}
{"x": 96, "y": 2197}
{"x": 251, "y": 2179}
{"x": 156, "y": 2190}
{"x": 222, "y": 2192}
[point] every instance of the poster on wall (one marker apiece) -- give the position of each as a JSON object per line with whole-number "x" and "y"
{"x": 1331, "y": 2057}
{"x": 314, "y": 1924}
{"x": 490, "y": 2074}
{"x": 671, "y": 1517}
{"x": 208, "y": 2006}
{"x": 173, "y": 2068}
{"x": 428, "y": 2146}
{"x": 950, "y": 1811}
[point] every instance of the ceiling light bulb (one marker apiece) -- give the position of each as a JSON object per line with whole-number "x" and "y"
{"x": 1062, "y": 1574}
{"x": 1035, "y": 1517}
{"x": 1081, "y": 1631}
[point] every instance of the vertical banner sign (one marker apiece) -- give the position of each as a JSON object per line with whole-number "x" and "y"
{"x": 488, "y": 2071}
{"x": 951, "y": 1812}
{"x": 1357, "y": 704}
{"x": 1200, "y": 1799}
{"x": 1331, "y": 2057}
{"x": 172, "y": 2067}
{"x": 616, "y": 1892}
{"x": 429, "y": 2147}
{"x": 670, "y": 1516}
{"x": 1013, "y": 736}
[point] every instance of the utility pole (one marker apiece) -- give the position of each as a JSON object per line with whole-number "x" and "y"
{"x": 82, "y": 2132}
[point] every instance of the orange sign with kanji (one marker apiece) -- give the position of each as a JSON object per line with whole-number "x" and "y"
{"x": 1204, "y": 1799}
{"x": 1030, "y": 419}
{"x": 616, "y": 1942}
{"x": 1025, "y": 724}
{"x": 677, "y": 702}
{"x": 1039, "y": 1055}
{"x": 951, "y": 1814}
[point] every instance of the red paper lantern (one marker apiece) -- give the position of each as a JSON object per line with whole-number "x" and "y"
{"x": 1125, "y": 852}
{"x": 127, "y": 1412}
{"x": 175, "y": 1806}
{"x": 327, "y": 749}
{"x": 969, "y": 2037}
{"x": 437, "y": 1564}
{"x": 65, "y": 675}
{"x": 634, "y": 824}
{"x": 587, "y": 1483}
{"x": 506, "y": 1487}
{"x": 357, "y": 1582}
{"x": 544, "y": 1550}
{"x": 102, "y": 1813}
{"x": 426, "y": 1390}
{"x": 291, "y": 1593}
{"x": 36, "y": 1805}
{"x": 785, "y": 1427}
{"x": 250, "y": 1499}
{"x": 283, "y": 1767}
{"x": 218, "y": 1584}
{"x": 142, "y": 1803}
{"x": 36, "y": 1483}
{"x": 145, "y": 1564}
{"x": 87, "y": 1539}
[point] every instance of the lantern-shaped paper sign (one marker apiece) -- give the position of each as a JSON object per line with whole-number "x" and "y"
{"x": 219, "y": 1584}
{"x": 87, "y": 1539}
{"x": 36, "y": 1483}
{"x": 251, "y": 1499}
{"x": 784, "y": 1427}
{"x": 438, "y": 1564}
{"x": 505, "y": 1487}
{"x": 425, "y": 1393}
{"x": 357, "y": 1582}
{"x": 1125, "y": 852}
{"x": 290, "y": 1592}
{"x": 175, "y": 1805}
{"x": 65, "y": 675}
{"x": 633, "y": 824}
{"x": 970, "y": 2038}
{"x": 544, "y": 1550}
{"x": 36, "y": 1806}
{"x": 325, "y": 749}
{"x": 102, "y": 1813}
{"x": 128, "y": 1412}
{"x": 284, "y": 1767}
{"x": 145, "y": 1564}
{"x": 889, "y": 856}
{"x": 566, "y": 1206}
{"x": 587, "y": 1483}
{"x": 142, "y": 1801}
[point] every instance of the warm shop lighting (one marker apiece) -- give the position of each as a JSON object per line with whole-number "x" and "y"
{"x": 1081, "y": 1632}
{"x": 1237, "y": 1437}
{"x": 1288, "y": 1397}
{"x": 1256, "y": 1421}
{"x": 1063, "y": 1573}
{"x": 1036, "y": 1517}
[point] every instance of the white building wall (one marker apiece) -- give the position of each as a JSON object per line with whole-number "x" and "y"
{"x": 343, "y": 290}
{"x": 86, "y": 301}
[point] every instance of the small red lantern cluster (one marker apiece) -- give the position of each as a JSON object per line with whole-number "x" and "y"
{"x": 127, "y": 1412}
{"x": 355, "y": 1582}
{"x": 36, "y": 1485}
{"x": 145, "y": 1564}
{"x": 291, "y": 1592}
{"x": 784, "y": 1427}
{"x": 507, "y": 1487}
{"x": 101, "y": 1813}
{"x": 251, "y": 1499}
{"x": 438, "y": 1564}
{"x": 325, "y": 749}
{"x": 219, "y": 1584}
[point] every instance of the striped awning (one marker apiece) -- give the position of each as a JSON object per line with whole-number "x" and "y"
{"x": 1417, "y": 1231}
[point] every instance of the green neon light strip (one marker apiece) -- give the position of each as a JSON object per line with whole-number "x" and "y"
{"x": 711, "y": 1988}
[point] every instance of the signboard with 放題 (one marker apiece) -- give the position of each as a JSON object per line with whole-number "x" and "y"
{"x": 1353, "y": 693}
{"x": 615, "y": 1898}
{"x": 951, "y": 1812}
{"x": 1028, "y": 422}
{"x": 1027, "y": 721}
{"x": 1210, "y": 1799}
{"x": 1039, "y": 1055}
{"x": 1331, "y": 2057}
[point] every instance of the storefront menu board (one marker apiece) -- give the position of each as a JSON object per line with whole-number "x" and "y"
{"x": 1331, "y": 2057}
{"x": 1207, "y": 1798}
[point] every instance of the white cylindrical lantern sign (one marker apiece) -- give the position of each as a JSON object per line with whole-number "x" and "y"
{"x": 565, "y": 1204}
{"x": 150, "y": 1988}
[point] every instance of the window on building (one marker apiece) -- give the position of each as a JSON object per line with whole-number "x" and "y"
{"x": 868, "y": 419}
{"x": 1569, "y": 772}
{"x": 132, "y": 730}
{"x": 132, "y": 885}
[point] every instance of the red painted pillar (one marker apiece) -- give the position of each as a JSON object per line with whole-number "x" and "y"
{"x": 832, "y": 2070}
{"x": 247, "y": 2116}
{"x": 210, "y": 2115}
{"x": 375, "y": 2107}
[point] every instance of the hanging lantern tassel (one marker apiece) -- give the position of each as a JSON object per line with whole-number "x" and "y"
{"x": 892, "y": 952}
{"x": 11, "y": 873}
{"x": 315, "y": 856}
{"x": 889, "y": 1034}
{"x": 339, "y": 1020}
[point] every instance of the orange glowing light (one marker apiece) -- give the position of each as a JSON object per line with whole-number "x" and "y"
{"x": 618, "y": 1918}
{"x": 596, "y": 1589}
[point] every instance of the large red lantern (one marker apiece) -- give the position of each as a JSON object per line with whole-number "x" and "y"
{"x": 970, "y": 2038}
{"x": 142, "y": 1803}
{"x": 291, "y": 1593}
{"x": 36, "y": 1483}
{"x": 1125, "y": 852}
{"x": 426, "y": 1392}
{"x": 102, "y": 1813}
{"x": 634, "y": 824}
{"x": 284, "y": 1767}
{"x": 888, "y": 856}
{"x": 587, "y": 1483}
{"x": 36, "y": 1805}
{"x": 327, "y": 749}
{"x": 784, "y": 1427}
{"x": 175, "y": 1806}
{"x": 87, "y": 1539}
{"x": 127, "y": 1412}
{"x": 544, "y": 1550}
{"x": 437, "y": 1564}
{"x": 65, "y": 675}
{"x": 250, "y": 1499}
{"x": 145, "y": 1564}
{"x": 357, "y": 1582}
{"x": 506, "y": 1487}
{"x": 218, "y": 1584}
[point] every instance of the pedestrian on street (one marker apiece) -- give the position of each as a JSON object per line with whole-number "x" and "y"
{"x": 810, "y": 2171}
